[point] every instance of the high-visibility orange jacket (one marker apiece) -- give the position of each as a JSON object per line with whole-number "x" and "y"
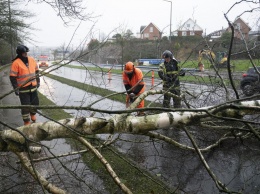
{"x": 137, "y": 76}
{"x": 24, "y": 73}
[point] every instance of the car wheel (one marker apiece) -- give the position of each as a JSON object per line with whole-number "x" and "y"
{"x": 248, "y": 90}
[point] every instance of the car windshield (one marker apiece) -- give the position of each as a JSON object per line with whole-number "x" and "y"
{"x": 252, "y": 70}
{"x": 43, "y": 58}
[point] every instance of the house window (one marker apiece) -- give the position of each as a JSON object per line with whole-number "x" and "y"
{"x": 184, "y": 33}
{"x": 237, "y": 26}
{"x": 146, "y": 35}
{"x": 188, "y": 25}
{"x": 151, "y": 29}
{"x": 192, "y": 33}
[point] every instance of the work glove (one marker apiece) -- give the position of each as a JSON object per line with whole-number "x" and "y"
{"x": 132, "y": 95}
{"x": 16, "y": 92}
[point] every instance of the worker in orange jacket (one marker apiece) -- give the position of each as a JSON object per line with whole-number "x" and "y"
{"x": 134, "y": 84}
{"x": 25, "y": 81}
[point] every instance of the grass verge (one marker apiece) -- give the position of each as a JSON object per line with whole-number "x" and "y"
{"x": 56, "y": 114}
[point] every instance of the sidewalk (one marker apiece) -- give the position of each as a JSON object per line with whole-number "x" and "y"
{"x": 12, "y": 117}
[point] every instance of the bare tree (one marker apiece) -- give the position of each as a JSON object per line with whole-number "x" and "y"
{"x": 68, "y": 9}
{"x": 210, "y": 145}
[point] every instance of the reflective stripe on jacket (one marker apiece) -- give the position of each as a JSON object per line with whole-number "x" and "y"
{"x": 168, "y": 72}
{"x": 137, "y": 76}
{"x": 24, "y": 73}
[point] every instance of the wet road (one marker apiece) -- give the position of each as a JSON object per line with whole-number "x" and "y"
{"x": 64, "y": 95}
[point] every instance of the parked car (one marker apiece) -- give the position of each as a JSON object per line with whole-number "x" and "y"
{"x": 250, "y": 83}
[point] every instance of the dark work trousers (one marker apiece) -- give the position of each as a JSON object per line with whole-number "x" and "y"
{"x": 28, "y": 98}
{"x": 167, "y": 98}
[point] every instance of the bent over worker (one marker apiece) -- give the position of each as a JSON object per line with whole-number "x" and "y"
{"x": 25, "y": 81}
{"x": 134, "y": 83}
{"x": 169, "y": 72}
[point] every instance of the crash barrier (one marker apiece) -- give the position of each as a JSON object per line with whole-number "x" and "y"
{"x": 152, "y": 77}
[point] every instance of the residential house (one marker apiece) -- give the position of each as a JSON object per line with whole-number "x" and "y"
{"x": 254, "y": 35}
{"x": 190, "y": 28}
{"x": 150, "y": 32}
{"x": 241, "y": 29}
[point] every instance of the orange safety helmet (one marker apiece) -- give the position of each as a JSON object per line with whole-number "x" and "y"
{"x": 129, "y": 67}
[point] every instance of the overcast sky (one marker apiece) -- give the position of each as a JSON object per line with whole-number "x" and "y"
{"x": 132, "y": 14}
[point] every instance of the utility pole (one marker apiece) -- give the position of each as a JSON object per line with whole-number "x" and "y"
{"x": 170, "y": 20}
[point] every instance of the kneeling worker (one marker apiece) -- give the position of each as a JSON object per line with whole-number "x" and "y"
{"x": 134, "y": 84}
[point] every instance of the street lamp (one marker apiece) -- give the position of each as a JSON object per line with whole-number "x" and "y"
{"x": 170, "y": 20}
